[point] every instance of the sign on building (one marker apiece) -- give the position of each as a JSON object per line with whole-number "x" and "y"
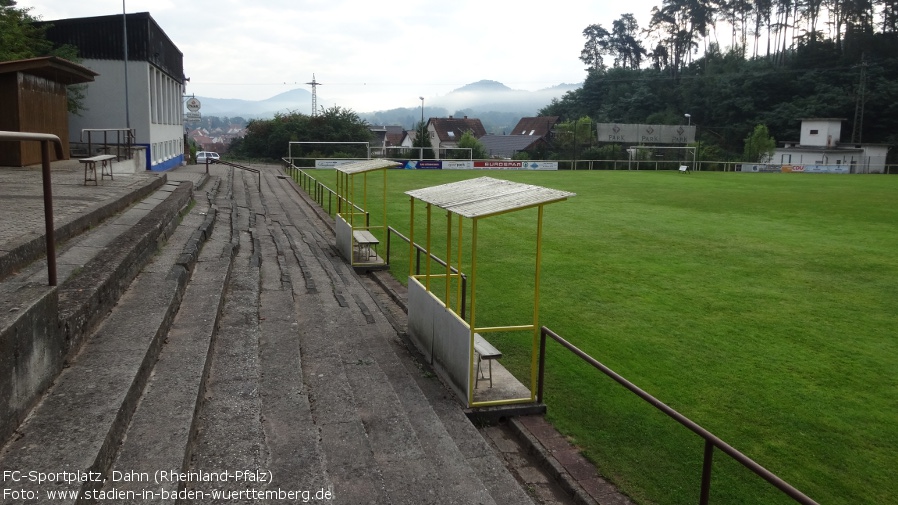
{"x": 646, "y": 134}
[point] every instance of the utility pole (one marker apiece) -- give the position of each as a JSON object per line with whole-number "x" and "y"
{"x": 125, "y": 37}
{"x": 314, "y": 85}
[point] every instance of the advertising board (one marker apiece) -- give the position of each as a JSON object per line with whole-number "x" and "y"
{"x": 646, "y": 134}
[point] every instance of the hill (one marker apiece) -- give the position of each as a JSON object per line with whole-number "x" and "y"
{"x": 498, "y": 106}
{"x": 295, "y": 100}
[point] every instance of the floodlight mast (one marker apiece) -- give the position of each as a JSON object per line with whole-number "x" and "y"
{"x": 314, "y": 84}
{"x": 421, "y": 140}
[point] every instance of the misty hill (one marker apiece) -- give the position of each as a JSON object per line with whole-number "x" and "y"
{"x": 483, "y": 86}
{"x": 296, "y": 100}
{"x": 494, "y": 96}
{"x": 496, "y": 105}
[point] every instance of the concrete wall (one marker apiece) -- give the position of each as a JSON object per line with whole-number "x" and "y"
{"x": 870, "y": 159}
{"x": 441, "y": 336}
{"x": 31, "y": 353}
{"x": 828, "y": 132}
{"x": 154, "y": 108}
{"x": 343, "y": 231}
{"x": 49, "y": 324}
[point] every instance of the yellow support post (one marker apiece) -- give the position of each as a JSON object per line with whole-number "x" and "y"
{"x": 472, "y": 379}
{"x": 411, "y": 237}
{"x": 534, "y": 361}
{"x": 448, "y": 256}
{"x": 427, "y": 259}
{"x": 458, "y": 297}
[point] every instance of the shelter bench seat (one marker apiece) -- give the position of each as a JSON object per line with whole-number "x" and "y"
{"x": 684, "y": 169}
{"x": 485, "y": 351}
{"x": 90, "y": 167}
{"x": 365, "y": 239}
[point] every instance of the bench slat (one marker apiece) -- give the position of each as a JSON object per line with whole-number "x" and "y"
{"x": 365, "y": 237}
{"x": 485, "y": 349}
{"x": 100, "y": 157}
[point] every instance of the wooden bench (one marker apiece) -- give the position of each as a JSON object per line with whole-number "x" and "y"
{"x": 365, "y": 239}
{"x": 90, "y": 167}
{"x": 485, "y": 351}
{"x": 685, "y": 169}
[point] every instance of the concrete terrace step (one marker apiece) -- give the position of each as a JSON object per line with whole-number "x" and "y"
{"x": 75, "y": 209}
{"x": 42, "y": 326}
{"x": 78, "y": 425}
{"x": 162, "y": 427}
{"x": 278, "y": 368}
{"x": 382, "y": 436}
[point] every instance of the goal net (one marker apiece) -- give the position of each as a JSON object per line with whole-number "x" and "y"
{"x": 661, "y": 158}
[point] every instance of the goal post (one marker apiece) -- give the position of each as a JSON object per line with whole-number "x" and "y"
{"x": 662, "y": 157}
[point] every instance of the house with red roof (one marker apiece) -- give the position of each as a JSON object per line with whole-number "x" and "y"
{"x": 446, "y": 132}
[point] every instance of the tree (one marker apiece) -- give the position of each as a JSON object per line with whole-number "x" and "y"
{"x": 422, "y": 140}
{"x": 573, "y": 137}
{"x": 270, "y": 138}
{"x": 478, "y": 151}
{"x": 759, "y": 145}
{"x": 623, "y": 43}
{"x": 597, "y": 40}
{"x": 21, "y": 39}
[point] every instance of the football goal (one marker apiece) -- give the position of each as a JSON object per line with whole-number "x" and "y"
{"x": 661, "y": 158}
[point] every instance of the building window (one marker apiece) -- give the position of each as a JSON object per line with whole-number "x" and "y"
{"x": 815, "y": 132}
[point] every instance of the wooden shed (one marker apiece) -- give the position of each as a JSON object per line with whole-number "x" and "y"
{"x": 33, "y": 99}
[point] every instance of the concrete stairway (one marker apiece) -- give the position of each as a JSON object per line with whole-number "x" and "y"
{"x": 247, "y": 363}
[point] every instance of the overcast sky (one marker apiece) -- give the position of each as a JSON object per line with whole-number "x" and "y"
{"x": 367, "y": 55}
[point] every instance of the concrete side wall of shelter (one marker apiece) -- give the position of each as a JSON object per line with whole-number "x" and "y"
{"x": 343, "y": 232}
{"x": 441, "y": 336}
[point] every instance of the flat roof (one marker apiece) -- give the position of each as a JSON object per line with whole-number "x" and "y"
{"x": 486, "y": 196}
{"x": 357, "y": 167}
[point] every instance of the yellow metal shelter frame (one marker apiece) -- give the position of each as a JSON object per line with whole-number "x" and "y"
{"x": 356, "y": 215}
{"x": 476, "y": 199}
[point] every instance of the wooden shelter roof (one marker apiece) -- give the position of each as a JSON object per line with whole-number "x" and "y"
{"x": 486, "y": 196}
{"x": 51, "y": 68}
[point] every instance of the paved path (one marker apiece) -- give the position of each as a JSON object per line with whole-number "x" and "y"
{"x": 22, "y": 203}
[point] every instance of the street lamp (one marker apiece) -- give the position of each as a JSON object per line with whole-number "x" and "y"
{"x": 689, "y": 119}
{"x": 421, "y": 133}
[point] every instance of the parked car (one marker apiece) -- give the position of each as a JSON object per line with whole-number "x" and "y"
{"x": 203, "y": 157}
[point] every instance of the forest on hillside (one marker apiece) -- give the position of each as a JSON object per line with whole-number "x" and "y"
{"x": 785, "y": 60}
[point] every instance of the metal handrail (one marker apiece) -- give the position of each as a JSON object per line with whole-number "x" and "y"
{"x": 44, "y": 139}
{"x": 129, "y": 139}
{"x": 235, "y": 165}
{"x": 307, "y": 182}
{"x": 711, "y": 440}
{"x": 418, "y": 250}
